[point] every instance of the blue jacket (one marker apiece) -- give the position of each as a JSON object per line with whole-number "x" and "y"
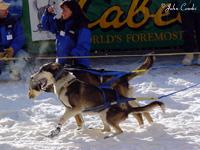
{"x": 15, "y": 8}
{"x": 69, "y": 41}
{"x": 11, "y": 34}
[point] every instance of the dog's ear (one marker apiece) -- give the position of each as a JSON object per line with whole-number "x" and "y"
{"x": 55, "y": 66}
{"x": 50, "y": 67}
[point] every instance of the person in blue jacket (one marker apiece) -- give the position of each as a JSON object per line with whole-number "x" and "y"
{"x": 12, "y": 40}
{"x": 72, "y": 33}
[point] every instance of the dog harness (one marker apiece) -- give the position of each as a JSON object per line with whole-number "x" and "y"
{"x": 105, "y": 86}
{"x": 119, "y": 99}
{"x": 67, "y": 84}
{"x": 102, "y": 73}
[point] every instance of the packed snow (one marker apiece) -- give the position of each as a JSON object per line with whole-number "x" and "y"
{"x": 24, "y": 122}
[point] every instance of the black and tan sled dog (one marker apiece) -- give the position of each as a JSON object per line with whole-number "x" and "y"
{"x": 78, "y": 97}
{"x": 121, "y": 85}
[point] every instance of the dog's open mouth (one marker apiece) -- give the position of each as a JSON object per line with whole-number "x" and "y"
{"x": 43, "y": 83}
{"x": 39, "y": 85}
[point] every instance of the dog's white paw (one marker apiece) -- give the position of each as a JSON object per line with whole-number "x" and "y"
{"x": 54, "y": 133}
{"x": 79, "y": 127}
{"x": 141, "y": 126}
{"x": 109, "y": 136}
{"x": 112, "y": 135}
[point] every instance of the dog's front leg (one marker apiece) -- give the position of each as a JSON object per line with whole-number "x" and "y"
{"x": 68, "y": 114}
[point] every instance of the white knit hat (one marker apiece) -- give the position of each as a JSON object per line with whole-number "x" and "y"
{"x": 4, "y": 5}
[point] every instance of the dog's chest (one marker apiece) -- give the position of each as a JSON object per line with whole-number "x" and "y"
{"x": 64, "y": 98}
{"x": 61, "y": 88}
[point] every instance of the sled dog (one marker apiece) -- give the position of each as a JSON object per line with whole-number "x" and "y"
{"x": 78, "y": 97}
{"x": 121, "y": 85}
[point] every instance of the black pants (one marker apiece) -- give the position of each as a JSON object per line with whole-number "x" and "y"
{"x": 191, "y": 31}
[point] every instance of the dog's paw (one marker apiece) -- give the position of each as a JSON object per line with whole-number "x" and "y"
{"x": 141, "y": 126}
{"x": 79, "y": 127}
{"x": 54, "y": 133}
{"x": 109, "y": 136}
{"x": 112, "y": 135}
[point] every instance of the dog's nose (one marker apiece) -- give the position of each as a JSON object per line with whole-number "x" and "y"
{"x": 31, "y": 95}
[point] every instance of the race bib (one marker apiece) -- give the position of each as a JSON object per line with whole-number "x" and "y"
{"x": 62, "y": 33}
{"x": 9, "y": 37}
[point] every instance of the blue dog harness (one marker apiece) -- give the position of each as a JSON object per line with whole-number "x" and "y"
{"x": 119, "y": 99}
{"x": 105, "y": 86}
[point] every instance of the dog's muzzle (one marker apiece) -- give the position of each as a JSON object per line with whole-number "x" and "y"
{"x": 36, "y": 87}
{"x": 31, "y": 94}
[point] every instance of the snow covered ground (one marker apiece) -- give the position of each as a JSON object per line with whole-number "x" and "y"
{"x": 23, "y": 121}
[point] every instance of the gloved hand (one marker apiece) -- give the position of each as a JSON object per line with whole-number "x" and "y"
{"x": 2, "y": 54}
{"x": 9, "y": 52}
{"x": 51, "y": 10}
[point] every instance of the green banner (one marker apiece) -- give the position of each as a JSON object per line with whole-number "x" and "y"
{"x": 120, "y": 24}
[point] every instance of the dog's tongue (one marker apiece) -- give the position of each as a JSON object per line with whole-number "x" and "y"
{"x": 38, "y": 86}
{"x": 43, "y": 83}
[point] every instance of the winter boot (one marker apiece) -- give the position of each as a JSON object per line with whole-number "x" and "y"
{"x": 15, "y": 75}
{"x": 17, "y": 67}
{"x": 188, "y": 59}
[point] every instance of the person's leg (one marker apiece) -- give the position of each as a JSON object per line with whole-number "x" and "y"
{"x": 84, "y": 62}
{"x": 188, "y": 36}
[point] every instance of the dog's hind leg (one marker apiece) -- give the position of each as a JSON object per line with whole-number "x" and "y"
{"x": 145, "y": 109}
{"x": 126, "y": 90}
{"x": 106, "y": 127}
{"x": 139, "y": 119}
{"x": 79, "y": 121}
{"x": 137, "y": 116}
{"x": 113, "y": 118}
{"x": 117, "y": 129}
{"x": 148, "y": 117}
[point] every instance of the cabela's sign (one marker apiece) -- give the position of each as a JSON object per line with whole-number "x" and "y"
{"x": 137, "y": 7}
{"x": 119, "y": 24}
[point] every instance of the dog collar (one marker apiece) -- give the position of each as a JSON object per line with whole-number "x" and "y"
{"x": 71, "y": 81}
{"x": 68, "y": 83}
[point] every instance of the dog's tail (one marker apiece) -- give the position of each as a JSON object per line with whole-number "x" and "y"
{"x": 147, "y": 108}
{"x": 142, "y": 69}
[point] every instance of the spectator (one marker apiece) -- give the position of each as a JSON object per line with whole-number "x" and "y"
{"x": 11, "y": 42}
{"x": 72, "y": 33}
{"x": 191, "y": 28}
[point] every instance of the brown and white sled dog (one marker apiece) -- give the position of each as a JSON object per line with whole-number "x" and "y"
{"x": 78, "y": 96}
{"x": 121, "y": 85}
